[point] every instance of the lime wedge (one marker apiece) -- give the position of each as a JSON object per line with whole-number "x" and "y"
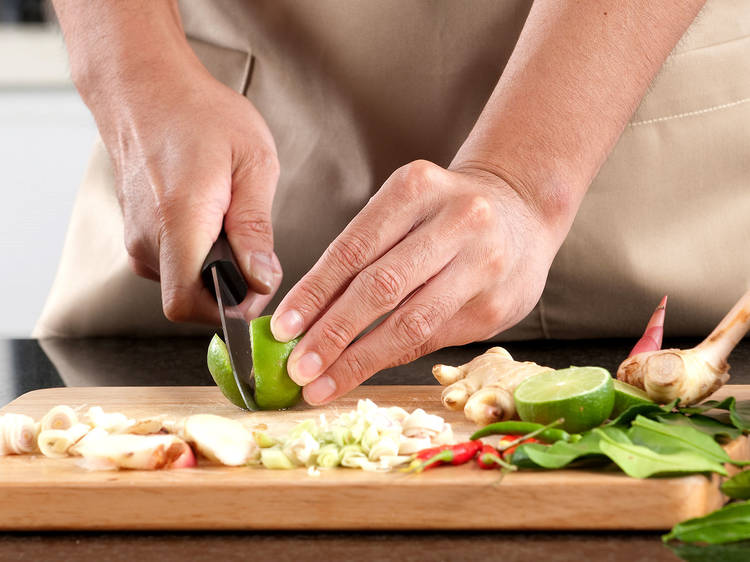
{"x": 274, "y": 390}
{"x": 627, "y": 395}
{"x": 221, "y": 370}
{"x": 583, "y": 396}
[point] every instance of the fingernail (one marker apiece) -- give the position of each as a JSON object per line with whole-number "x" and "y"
{"x": 319, "y": 390}
{"x": 306, "y": 368}
{"x": 287, "y": 326}
{"x": 262, "y": 276}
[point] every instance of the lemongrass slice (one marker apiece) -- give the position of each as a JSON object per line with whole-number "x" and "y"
{"x": 56, "y": 443}
{"x": 421, "y": 424}
{"x": 114, "y": 422}
{"x": 302, "y": 450}
{"x": 17, "y": 434}
{"x": 59, "y": 417}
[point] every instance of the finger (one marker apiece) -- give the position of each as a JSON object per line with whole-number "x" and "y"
{"x": 423, "y": 317}
{"x": 255, "y": 305}
{"x": 248, "y": 220}
{"x": 377, "y": 290}
{"x": 190, "y": 222}
{"x": 361, "y": 243}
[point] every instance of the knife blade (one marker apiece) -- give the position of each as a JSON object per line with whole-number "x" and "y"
{"x": 222, "y": 277}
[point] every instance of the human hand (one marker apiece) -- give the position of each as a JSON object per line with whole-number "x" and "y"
{"x": 454, "y": 256}
{"x": 189, "y": 155}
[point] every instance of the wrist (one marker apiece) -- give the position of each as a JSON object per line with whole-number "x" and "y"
{"x": 552, "y": 198}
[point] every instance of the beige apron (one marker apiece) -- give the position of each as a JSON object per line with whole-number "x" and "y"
{"x": 351, "y": 91}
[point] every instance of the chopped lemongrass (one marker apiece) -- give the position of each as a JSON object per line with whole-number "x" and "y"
{"x": 329, "y": 456}
{"x": 59, "y": 417}
{"x": 17, "y": 434}
{"x": 275, "y": 459}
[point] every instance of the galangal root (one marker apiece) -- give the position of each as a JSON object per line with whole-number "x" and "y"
{"x": 688, "y": 374}
{"x": 484, "y": 386}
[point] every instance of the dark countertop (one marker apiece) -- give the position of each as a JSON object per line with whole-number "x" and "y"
{"x": 28, "y": 364}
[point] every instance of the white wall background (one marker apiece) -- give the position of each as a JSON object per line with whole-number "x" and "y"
{"x": 46, "y": 134}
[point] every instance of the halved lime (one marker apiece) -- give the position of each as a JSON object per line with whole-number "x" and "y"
{"x": 627, "y": 395}
{"x": 583, "y": 396}
{"x": 274, "y": 390}
{"x": 221, "y": 370}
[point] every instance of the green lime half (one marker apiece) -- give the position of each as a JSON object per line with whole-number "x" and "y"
{"x": 583, "y": 396}
{"x": 274, "y": 390}
{"x": 627, "y": 395}
{"x": 221, "y": 370}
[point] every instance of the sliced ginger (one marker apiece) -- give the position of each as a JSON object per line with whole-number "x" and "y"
{"x": 484, "y": 386}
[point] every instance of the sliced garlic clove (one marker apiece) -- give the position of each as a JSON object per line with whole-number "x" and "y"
{"x": 145, "y": 452}
{"x": 221, "y": 440}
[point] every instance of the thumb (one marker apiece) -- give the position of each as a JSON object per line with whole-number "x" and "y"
{"x": 248, "y": 223}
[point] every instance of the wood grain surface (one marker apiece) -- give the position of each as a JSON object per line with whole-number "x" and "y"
{"x": 40, "y": 493}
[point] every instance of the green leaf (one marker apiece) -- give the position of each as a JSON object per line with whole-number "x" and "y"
{"x": 558, "y": 455}
{"x": 738, "y": 487}
{"x": 641, "y": 462}
{"x": 708, "y": 405}
{"x": 706, "y": 424}
{"x": 728, "y": 524}
{"x": 739, "y": 412}
{"x": 665, "y": 438}
{"x": 647, "y": 410}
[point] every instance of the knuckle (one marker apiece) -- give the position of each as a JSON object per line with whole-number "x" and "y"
{"x": 416, "y": 325}
{"x": 336, "y": 333}
{"x": 265, "y": 158}
{"x": 417, "y": 177}
{"x": 355, "y": 367}
{"x": 309, "y": 296}
{"x": 352, "y": 251}
{"x": 476, "y": 211}
{"x": 382, "y": 286}
{"x": 250, "y": 223}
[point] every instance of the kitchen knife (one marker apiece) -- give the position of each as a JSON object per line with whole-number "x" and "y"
{"x": 222, "y": 277}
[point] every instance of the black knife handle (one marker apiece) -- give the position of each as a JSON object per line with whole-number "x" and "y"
{"x": 226, "y": 266}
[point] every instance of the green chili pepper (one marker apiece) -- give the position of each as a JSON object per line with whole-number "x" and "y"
{"x": 550, "y": 435}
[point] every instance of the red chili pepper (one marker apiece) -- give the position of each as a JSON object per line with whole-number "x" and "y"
{"x": 489, "y": 457}
{"x": 507, "y": 453}
{"x": 425, "y": 454}
{"x": 454, "y": 454}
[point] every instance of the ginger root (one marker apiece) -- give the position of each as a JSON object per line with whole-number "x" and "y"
{"x": 484, "y": 386}
{"x": 689, "y": 374}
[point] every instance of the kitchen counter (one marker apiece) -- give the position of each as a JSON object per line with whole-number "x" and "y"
{"x": 29, "y": 364}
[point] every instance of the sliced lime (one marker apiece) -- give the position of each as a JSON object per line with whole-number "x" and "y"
{"x": 274, "y": 390}
{"x": 627, "y": 395}
{"x": 582, "y": 396}
{"x": 221, "y": 370}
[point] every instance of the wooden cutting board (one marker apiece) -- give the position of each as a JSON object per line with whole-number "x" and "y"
{"x": 42, "y": 493}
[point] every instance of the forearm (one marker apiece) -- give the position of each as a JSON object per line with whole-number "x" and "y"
{"x": 115, "y": 47}
{"x": 577, "y": 74}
